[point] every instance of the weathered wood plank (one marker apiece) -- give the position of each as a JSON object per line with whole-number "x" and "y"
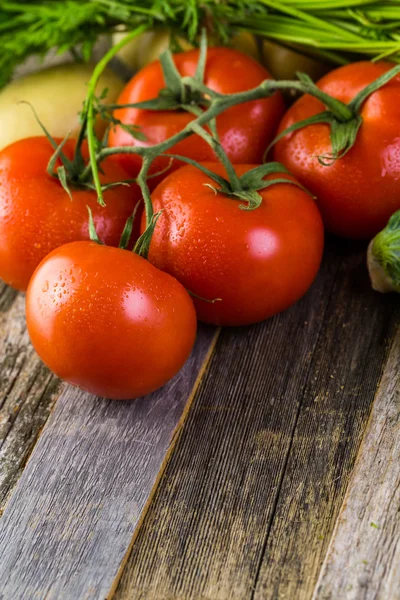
{"x": 70, "y": 521}
{"x": 363, "y": 561}
{"x": 271, "y": 436}
{"x": 343, "y": 377}
{"x": 27, "y": 391}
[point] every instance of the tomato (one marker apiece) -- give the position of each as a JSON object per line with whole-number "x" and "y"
{"x": 37, "y": 215}
{"x": 360, "y": 191}
{"x": 257, "y": 262}
{"x": 106, "y": 320}
{"x": 58, "y": 110}
{"x": 245, "y": 130}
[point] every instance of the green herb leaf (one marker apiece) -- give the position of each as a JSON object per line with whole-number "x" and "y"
{"x": 332, "y": 30}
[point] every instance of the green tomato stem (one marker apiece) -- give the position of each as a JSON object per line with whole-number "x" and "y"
{"x": 142, "y": 182}
{"x": 221, "y": 154}
{"x": 89, "y": 118}
{"x": 217, "y": 106}
{"x": 306, "y": 86}
{"x": 206, "y": 106}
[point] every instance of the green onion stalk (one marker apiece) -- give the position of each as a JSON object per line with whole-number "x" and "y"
{"x": 335, "y": 30}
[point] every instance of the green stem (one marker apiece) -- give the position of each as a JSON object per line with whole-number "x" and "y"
{"x": 142, "y": 182}
{"x": 339, "y": 109}
{"x": 343, "y": 119}
{"x": 304, "y": 86}
{"x": 218, "y": 106}
{"x": 89, "y": 112}
{"x": 221, "y": 154}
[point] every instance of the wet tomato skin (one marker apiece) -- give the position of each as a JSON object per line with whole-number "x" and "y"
{"x": 360, "y": 191}
{"x": 37, "y": 215}
{"x": 108, "y": 321}
{"x": 257, "y": 262}
{"x": 244, "y": 130}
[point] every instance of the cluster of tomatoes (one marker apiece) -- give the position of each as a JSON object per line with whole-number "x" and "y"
{"x": 118, "y": 325}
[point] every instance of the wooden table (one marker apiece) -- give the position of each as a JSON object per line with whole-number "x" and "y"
{"x": 269, "y": 468}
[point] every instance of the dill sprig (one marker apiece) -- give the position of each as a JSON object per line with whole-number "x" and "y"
{"x": 338, "y": 30}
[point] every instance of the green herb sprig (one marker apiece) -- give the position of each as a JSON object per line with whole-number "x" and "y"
{"x": 337, "y": 30}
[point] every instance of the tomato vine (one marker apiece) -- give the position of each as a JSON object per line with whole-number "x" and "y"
{"x": 191, "y": 94}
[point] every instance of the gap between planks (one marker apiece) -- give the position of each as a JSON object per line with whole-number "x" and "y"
{"x": 72, "y": 516}
{"x": 365, "y": 545}
{"x": 174, "y": 439}
{"x": 249, "y": 486}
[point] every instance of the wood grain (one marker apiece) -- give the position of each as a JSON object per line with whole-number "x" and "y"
{"x": 27, "y": 391}
{"x": 249, "y": 499}
{"x": 343, "y": 377}
{"x": 363, "y": 562}
{"x": 70, "y": 521}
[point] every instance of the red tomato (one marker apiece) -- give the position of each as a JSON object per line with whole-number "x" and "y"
{"x": 359, "y": 192}
{"x": 258, "y": 262}
{"x": 106, "y": 320}
{"x": 37, "y": 215}
{"x": 245, "y": 130}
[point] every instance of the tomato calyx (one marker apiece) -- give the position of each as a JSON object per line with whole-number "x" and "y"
{"x": 74, "y": 173}
{"x": 343, "y": 119}
{"x": 384, "y": 257}
{"x": 191, "y": 94}
{"x": 247, "y": 186}
{"x": 194, "y": 96}
{"x": 126, "y": 233}
{"x": 244, "y": 188}
{"x": 142, "y": 245}
{"x": 181, "y": 93}
{"x": 68, "y": 170}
